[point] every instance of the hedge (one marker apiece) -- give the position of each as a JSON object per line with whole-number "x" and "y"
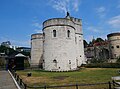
{"x": 103, "y": 65}
{"x": 26, "y": 64}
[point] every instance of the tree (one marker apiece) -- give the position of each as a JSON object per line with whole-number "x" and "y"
{"x": 85, "y": 43}
{"x": 6, "y": 50}
{"x": 99, "y": 40}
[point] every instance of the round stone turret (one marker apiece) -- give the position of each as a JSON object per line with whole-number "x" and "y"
{"x": 63, "y": 44}
{"x": 60, "y": 47}
{"x": 36, "y": 49}
{"x": 114, "y": 44}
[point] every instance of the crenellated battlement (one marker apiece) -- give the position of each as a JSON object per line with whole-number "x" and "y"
{"x": 76, "y": 20}
{"x": 62, "y": 21}
{"x": 57, "y": 21}
{"x": 37, "y": 36}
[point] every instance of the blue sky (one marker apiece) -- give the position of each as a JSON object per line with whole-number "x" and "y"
{"x": 21, "y": 18}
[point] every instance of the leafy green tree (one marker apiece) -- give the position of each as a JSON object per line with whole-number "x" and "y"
{"x": 99, "y": 40}
{"x": 85, "y": 43}
{"x": 6, "y": 50}
{"x": 26, "y": 53}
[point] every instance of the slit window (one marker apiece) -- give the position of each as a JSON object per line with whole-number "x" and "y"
{"x": 68, "y": 33}
{"x": 43, "y": 35}
{"x": 54, "y": 33}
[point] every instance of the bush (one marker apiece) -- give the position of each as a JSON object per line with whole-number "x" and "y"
{"x": 118, "y": 59}
{"x": 103, "y": 65}
{"x": 96, "y": 60}
{"x": 2, "y": 63}
{"x": 26, "y": 63}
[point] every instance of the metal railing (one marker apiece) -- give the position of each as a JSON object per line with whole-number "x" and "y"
{"x": 74, "y": 86}
{"x": 19, "y": 80}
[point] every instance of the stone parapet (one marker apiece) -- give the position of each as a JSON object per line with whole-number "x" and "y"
{"x": 37, "y": 36}
{"x": 62, "y": 21}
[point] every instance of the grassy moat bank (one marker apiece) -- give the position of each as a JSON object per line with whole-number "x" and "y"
{"x": 82, "y": 76}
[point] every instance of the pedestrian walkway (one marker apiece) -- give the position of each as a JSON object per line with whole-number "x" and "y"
{"x": 6, "y": 81}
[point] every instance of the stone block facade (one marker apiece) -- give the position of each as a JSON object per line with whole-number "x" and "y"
{"x": 61, "y": 46}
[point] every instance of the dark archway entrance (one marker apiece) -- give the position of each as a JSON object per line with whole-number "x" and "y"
{"x": 16, "y": 62}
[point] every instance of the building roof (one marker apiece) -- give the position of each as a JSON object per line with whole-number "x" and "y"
{"x": 37, "y": 34}
{"x": 23, "y": 48}
{"x": 113, "y": 34}
{"x": 20, "y": 55}
{"x": 15, "y": 54}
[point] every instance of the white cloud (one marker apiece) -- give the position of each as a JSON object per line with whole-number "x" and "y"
{"x": 36, "y": 24}
{"x": 65, "y": 5}
{"x": 15, "y": 42}
{"x": 38, "y": 31}
{"x": 118, "y": 6}
{"x": 60, "y": 5}
{"x": 101, "y": 11}
{"x": 103, "y": 36}
{"x": 88, "y": 38}
{"x": 94, "y": 29}
{"x": 76, "y": 4}
{"x": 114, "y": 21}
{"x": 38, "y": 27}
{"x": 21, "y": 43}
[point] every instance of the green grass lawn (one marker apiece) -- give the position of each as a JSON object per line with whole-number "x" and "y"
{"x": 82, "y": 76}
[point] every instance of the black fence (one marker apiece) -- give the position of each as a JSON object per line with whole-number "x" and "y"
{"x": 19, "y": 80}
{"x": 75, "y": 86}
{"x": 105, "y": 85}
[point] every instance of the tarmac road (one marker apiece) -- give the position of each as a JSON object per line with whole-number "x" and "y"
{"x": 6, "y": 81}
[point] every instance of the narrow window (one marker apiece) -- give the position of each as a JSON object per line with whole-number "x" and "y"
{"x": 75, "y": 40}
{"x": 69, "y": 61}
{"x": 43, "y": 35}
{"x": 68, "y": 33}
{"x": 70, "y": 64}
{"x": 54, "y": 33}
{"x": 55, "y": 62}
{"x": 112, "y": 47}
{"x": 117, "y": 46}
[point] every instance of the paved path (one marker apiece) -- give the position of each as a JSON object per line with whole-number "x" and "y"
{"x": 6, "y": 81}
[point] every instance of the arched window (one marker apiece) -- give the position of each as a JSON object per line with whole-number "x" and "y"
{"x": 54, "y": 61}
{"x": 68, "y": 33}
{"x": 54, "y": 33}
